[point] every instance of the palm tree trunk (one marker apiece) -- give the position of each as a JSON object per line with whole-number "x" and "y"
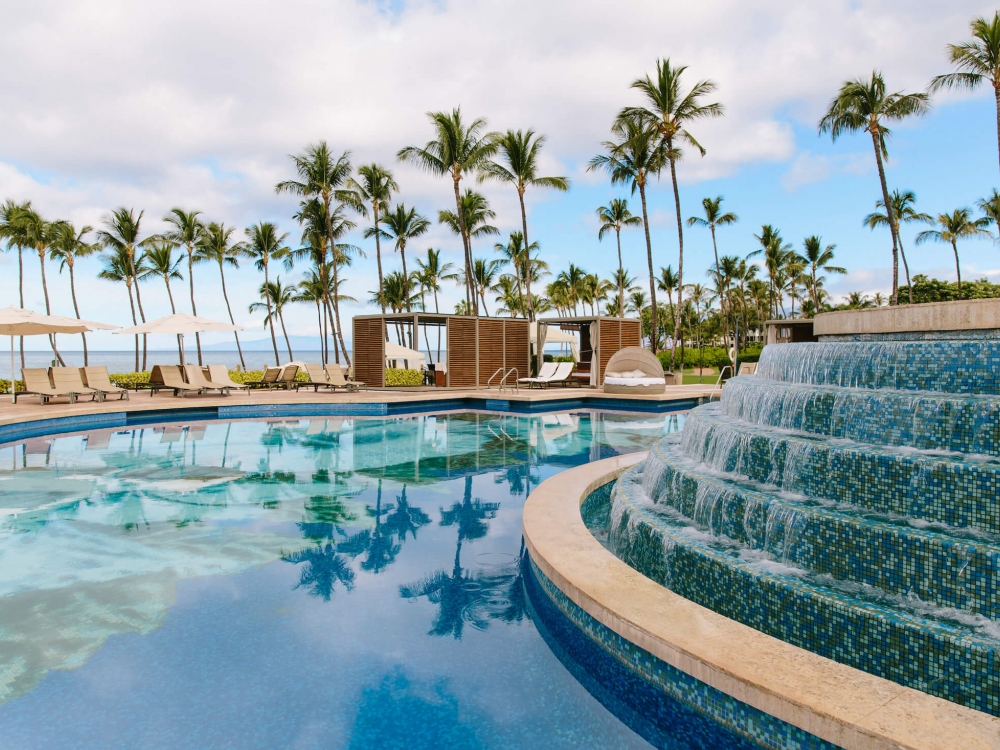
{"x": 680, "y": 252}
{"x": 653, "y": 318}
{"x": 906, "y": 269}
{"x": 194, "y": 310}
{"x": 621, "y": 276}
{"x": 437, "y": 310}
{"x": 20, "y": 288}
{"x": 958, "y": 270}
{"x": 470, "y": 297}
{"x": 527, "y": 254}
{"x": 131, "y": 304}
{"x": 270, "y": 314}
{"x": 378, "y": 257}
{"x": 180, "y": 341}
{"x": 288, "y": 344}
{"x": 996, "y": 94}
{"x": 76, "y": 309}
{"x": 892, "y": 220}
{"x": 138, "y": 299}
{"x": 48, "y": 310}
{"x": 225, "y": 296}
{"x": 333, "y": 331}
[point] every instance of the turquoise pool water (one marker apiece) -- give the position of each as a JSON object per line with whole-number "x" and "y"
{"x": 305, "y": 583}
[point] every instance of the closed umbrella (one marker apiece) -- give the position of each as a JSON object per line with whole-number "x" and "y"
{"x": 179, "y": 324}
{"x": 16, "y": 321}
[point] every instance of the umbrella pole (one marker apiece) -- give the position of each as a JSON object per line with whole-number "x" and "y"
{"x": 182, "y": 349}
{"x": 12, "y": 396}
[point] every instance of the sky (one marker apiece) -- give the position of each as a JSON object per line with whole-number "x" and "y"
{"x": 199, "y": 105}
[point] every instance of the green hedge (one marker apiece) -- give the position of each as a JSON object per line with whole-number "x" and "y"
{"x": 711, "y": 356}
{"x": 399, "y": 377}
{"x": 5, "y": 385}
{"x": 129, "y": 379}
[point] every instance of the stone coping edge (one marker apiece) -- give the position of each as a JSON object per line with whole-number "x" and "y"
{"x": 834, "y": 702}
{"x": 956, "y": 315}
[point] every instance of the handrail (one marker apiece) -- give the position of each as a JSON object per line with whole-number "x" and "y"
{"x": 718, "y": 383}
{"x": 490, "y": 381}
{"x": 503, "y": 380}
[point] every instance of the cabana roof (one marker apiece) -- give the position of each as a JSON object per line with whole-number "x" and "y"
{"x": 428, "y": 318}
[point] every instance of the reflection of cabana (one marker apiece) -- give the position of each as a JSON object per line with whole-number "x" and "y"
{"x": 600, "y": 338}
{"x": 476, "y": 347}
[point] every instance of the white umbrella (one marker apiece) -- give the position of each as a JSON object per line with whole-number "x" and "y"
{"x": 395, "y": 351}
{"x": 16, "y": 321}
{"x": 179, "y": 324}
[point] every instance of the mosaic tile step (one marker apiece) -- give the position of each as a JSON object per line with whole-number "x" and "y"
{"x": 928, "y": 567}
{"x": 956, "y": 490}
{"x": 957, "y": 367}
{"x": 927, "y": 421}
{"x": 938, "y": 652}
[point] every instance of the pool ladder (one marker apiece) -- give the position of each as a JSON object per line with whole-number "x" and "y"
{"x": 718, "y": 383}
{"x": 503, "y": 380}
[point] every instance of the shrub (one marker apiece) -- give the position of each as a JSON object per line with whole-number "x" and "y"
{"x": 399, "y": 377}
{"x": 129, "y": 379}
{"x": 5, "y": 386}
{"x": 751, "y": 353}
{"x": 248, "y": 376}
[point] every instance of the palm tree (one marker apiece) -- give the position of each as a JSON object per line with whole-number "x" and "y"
{"x": 573, "y": 280}
{"x": 957, "y": 225}
{"x": 321, "y": 176}
{"x": 67, "y": 248}
{"x": 862, "y": 105}
{"x": 432, "y": 273}
{"x": 41, "y": 235}
{"x": 714, "y": 217}
{"x": 670, "y": 111}
{"x": 265, "y": 245}
{"x": 275, "y": 295}
{"x": 402, "y": 225}
{"x": 457, "y": 150}
{"x": 776, "y": 256}
{"x": 159, "y": 261}
{"x": 122, "y": 235}
{"x": 118, "y": 268}
{"x": 373, "y": 187}
{"x": 515, "y": 254}
{"x": 902, "y": 210}
{"x": 991, "y": 208}
{"x": 616, "y": 216}
{"x": 819, "y": 258}
{"x": 12, "y": 230}
{"x": 632, "y": 160}
{"x": 216, "y": 245}
{"x": 312, "y": 289}
{"x": 977, "y": 60}
{"x": 701, "y": 300}
{"x": 187, "y": 231}
{"x": 484, "y": 275}
{"x": 518, "y": 153}
{"x": 474, "y": 221}
{"x": 667, "y": 283}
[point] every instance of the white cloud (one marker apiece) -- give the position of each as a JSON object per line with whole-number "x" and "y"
{"x": 808, "y": 168}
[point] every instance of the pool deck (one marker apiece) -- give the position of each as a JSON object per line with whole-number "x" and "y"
{"x": 840, "y": 704}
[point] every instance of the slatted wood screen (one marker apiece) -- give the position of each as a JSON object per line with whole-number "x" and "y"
{"x": 491, "y": 346}
{"x": 369, "y": 351}
{"x": 615, "y": 335}
{"x": 517, "y": 348}
{"x": 462, "y": 352}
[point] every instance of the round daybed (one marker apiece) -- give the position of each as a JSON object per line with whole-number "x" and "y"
{"x": 634, "y": 370}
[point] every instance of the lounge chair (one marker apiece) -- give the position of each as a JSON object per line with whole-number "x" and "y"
{"x": 168, "y": 378}
{"x": 338, "y": 380}
{"x": 560, "y": 376}
{"x": 287, "y": 377}
{"x": 747, "y": 368}
{"x": 97, "y": 377}
{"x": 68, "y": 379}
{"x": 318, "y": 378}
{"x": 196, "y": 378}
{"x": 267, "y": 380}
{"x": 634, "y": 370}
{"x": 36, "y": 383}
{"x": 219, "y": 374}
{"x": 546, "y": 370}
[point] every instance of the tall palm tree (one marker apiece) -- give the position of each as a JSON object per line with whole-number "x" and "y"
{"x": 977, "y": 60}
{"x": 373, "y": 188}
{"x": 615, "y": 217}
{"x": 187, "y": 231}
{"x": 864, "y": 105}
{"x": 456, "y": 151}
{"x": 714, "y": 217}
{"x": 67, "y": 248}
{"x": 484, "y": 275}
{"x": 474, "y": 221}
{"x": 518, "y": 166}
{"x": 265, "y": 244}
{"x": 402, "y": 225}
{"x": 432, "y": 273}
{"x": 819, "y": 258}
{"x": 902, "y": 210}
{"x": 515, "y": 254}
{"x": 667, "y": 283}
{"x": 957, "y": 225}
{"x": 322, "y": 176}
{"x": 312, "y": 289}
{"x": 118, "y": 268}
{"x": 216, "y": 245}
{"x": 275, "y": 295}
{"x": 632, "y": 160}
{"x": 158, "y": 259}
{"x": 671, "y": 111}
{"x": 121, "y": 234}
{"x": 12, "y": 230}
{"x": 41, "y": 235}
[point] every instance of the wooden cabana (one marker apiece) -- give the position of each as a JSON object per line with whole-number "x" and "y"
{"x": 477, "y": 348}
{"x": 600, "y": 338}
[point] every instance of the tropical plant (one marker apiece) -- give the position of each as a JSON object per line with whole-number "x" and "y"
{"x": 518, "y": 166}
{"x": 671, "y": 111}
{"x": 991, "y": 209}
{"x": 474, "y": 222}
{"x": 372, "y": 188}
{"x": 615, "y": 217}
{"x": 187, "y": 231}
{"x": 957, "y": 225}
{"x": 457, "y": 150}
{"x": 632, "y": 160}
{"x": 402, "y": 225}
{"x": 121, "y": 235}
{"x": 118, "y": 269}
{"x": 666, "y": 283}
{"x": 514, "y": 253}
{"x": 818, "y": 258}
{"x": 158, "y": 260}
{"x": 40, "y": 235}
{"x": 484, "y": 276}
{"x": 865, "y": 105}
{"x": 432, "y": 273}
{"x": 264, "y": 245}
{"x": 216, "y": 245}
{"x": 275, "y": 295}
{"x": 714, "y": 217}
{"x": 977, "y": 60}
{"x": 902, "y": 210}
{"x": 12, "y": 230}
{"x": 67, "y": 247}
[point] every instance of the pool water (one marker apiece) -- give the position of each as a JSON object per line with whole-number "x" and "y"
{"x": 313, "y": 583}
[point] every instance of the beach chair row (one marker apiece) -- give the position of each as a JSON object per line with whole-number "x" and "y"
{"x": 69, "y": 382}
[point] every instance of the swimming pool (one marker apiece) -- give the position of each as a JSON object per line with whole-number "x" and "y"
{"x": 307, "y": 583}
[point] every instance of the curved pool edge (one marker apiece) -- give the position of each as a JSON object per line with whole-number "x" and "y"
{"x": 833, "y": 702}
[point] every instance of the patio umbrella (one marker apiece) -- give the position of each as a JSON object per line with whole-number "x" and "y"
{"x": 179, "y": 324}
{"x": 16, "y": 321}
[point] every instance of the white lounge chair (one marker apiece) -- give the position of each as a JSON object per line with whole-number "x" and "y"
{"x": 546, "y": 370}
{"x": 562, "y": 374}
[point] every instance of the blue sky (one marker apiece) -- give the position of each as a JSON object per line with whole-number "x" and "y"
{"x": 101, "y": 113}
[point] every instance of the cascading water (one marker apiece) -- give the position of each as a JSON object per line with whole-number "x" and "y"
{"x": 846, "y": 499}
